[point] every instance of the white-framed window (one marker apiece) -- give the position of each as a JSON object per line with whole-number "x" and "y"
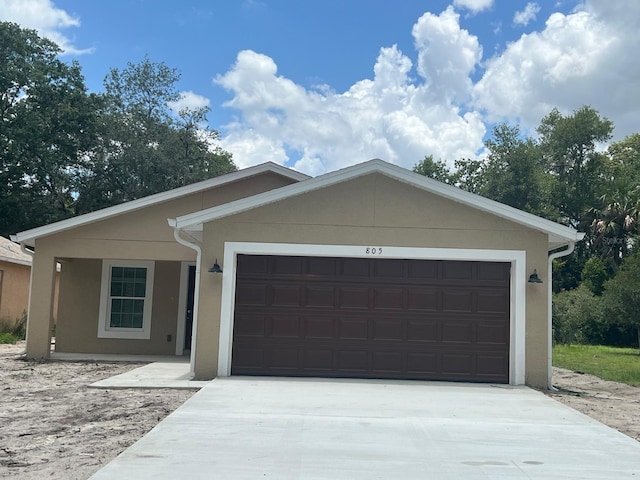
{"x": 126, "y": 296}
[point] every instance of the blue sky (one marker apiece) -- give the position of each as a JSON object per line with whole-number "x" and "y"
{"x": 322, "y": 85}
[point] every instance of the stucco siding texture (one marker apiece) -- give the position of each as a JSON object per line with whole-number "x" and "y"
{"x": 79, "y": 305}
{"x": 145, "y": 234}
{"x": 374, "y": 210}
{"x": 14, "y": 290}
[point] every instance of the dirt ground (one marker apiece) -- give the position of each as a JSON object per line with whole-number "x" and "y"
{"x": 614, "y": 404}
{"x": 53, "y": 427}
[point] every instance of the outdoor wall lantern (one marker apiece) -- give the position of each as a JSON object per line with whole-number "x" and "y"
{"x": 216, "y": 268}
{"x": 533, "y": 278}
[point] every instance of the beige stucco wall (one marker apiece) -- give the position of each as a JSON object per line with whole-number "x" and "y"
{"x": 77, "y": 326}
{"x": 374, "y": 211}
{"x": 140, "y": 235}
{"x": 14, "y": 290}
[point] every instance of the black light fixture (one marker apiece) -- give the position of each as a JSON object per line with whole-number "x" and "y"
{"x": 534, "y": 278}
{"x": 216, "y": 268}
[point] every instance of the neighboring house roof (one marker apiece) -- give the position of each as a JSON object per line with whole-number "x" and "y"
{"x": 28, "y": 237}
{"x": 11, "y": 252}
{"x": 558, "y": 235}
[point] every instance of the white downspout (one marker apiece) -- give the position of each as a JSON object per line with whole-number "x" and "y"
{"x": 563, "y": 253}
{"x": 196, "y": 293}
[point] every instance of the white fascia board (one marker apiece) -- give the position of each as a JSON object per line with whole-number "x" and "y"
{"x": 557, "y": 233}
{"x": 28, "y": 236}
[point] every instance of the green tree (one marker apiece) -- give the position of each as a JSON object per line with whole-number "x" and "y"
{"x": 621, "y": 297}
{"x": 515, "y": 172}
{"x": 569, "y": 147}
{"x": 145, "y": 147}
{"x": 47, "y": 126}
{"x": 431, "y": 168}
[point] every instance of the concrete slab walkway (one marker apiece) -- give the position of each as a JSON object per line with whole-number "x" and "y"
{"x": 169, "y": 374}
{"x": 249, "y": 428}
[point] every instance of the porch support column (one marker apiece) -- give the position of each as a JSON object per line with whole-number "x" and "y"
{"x": 41, "y": 300}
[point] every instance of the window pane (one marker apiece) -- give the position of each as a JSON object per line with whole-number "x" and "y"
{"x": 128, "y": 282}
{"x": 126, "y": 313}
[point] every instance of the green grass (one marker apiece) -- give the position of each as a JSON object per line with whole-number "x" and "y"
{"x": 7, "y": 337}
{"x": 609, "y": 363}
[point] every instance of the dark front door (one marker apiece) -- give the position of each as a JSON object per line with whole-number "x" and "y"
{"x": 191, "y": 288}
{"x": 372, "y": 318}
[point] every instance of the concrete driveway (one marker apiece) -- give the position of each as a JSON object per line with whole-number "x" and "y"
{"x": 250, "y": 428}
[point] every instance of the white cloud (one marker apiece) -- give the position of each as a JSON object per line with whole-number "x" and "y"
{"x": 426, "y": 103}
{"x": 45, "y": 18}
{"x": 586, "y": 57}
{"x": 392, "y": 116}
{"x": 525, "y": 16}
{"x": 474, "y": 5}
{"x": 189, "y": 101}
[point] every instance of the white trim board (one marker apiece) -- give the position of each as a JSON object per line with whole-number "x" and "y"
{"x": 517, "y": 258}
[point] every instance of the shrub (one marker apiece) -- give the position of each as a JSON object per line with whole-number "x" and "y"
{"x": 13, "y": 329}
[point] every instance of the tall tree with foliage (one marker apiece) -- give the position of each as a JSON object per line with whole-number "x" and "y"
{"x": 145, "y": 147}
{"x": 515, "y": 174}
{"x": 47, "y": 126}
{"x": 569, "y": 146}
{"x": 622, "y": 294}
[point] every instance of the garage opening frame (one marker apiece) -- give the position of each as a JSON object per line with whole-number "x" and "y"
{"x": 517, "y": 307}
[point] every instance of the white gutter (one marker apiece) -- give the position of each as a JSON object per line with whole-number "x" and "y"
{"x": 563, "y": 253}
{"x": 196, "y": 293}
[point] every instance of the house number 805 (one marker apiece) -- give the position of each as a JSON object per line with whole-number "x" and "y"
{"x": 373, "y": 251}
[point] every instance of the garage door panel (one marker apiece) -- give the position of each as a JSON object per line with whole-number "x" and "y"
{"x": 459, "y": 364}
{"x": 423, "y": 331}
{"x": 387, "y": 330}
{"x": 388, "y": 362}
{"x": 248, "y": 357}
{"x": 493, "y": 302}
{"x": 353, "y": 329}
{"x": 282, "y": 357}
{"x": 493, "y": 333}
{"x": 250, "y": 326}
{"x": 491, "y": 365}
{"x": 284, "y": 326}
{"x": 457, "y": 270}
{"x": 423, "y": 364}
{"x": 321, "y": 266}
{"x": 423, "y": 270}
{"x": 386, "y": 268}
{"x": 456, "y": 332}
{"x": 422, "y": 299}
{"x": 372, "y": 318}
{"x": 457, "y": 301}
{"x": 323, "y": 297}
{"x": 354, "y": 298}
{"x": 355, "y": 267}
{"x": 250, "y": 294}
{"x": 352, "y": 360}
{"x": 388, "y": 298}
{"x": 286, "y": 296}
{"x": 319, "y": 327}
{"x": 318, "y": 360}
{"x": 287, "y": 265}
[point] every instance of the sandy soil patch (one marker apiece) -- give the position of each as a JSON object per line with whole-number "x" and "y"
{"x": 614, "y": 404}
{"x": 53, "y": 427}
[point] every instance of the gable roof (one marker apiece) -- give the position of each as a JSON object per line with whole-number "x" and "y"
{"x": 28, "y": 236}
{"x": 558, "y": 235}
{"x": 11, "y": 252}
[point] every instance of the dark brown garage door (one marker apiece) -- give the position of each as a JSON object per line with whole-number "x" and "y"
{"x": 371, "y": 318}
